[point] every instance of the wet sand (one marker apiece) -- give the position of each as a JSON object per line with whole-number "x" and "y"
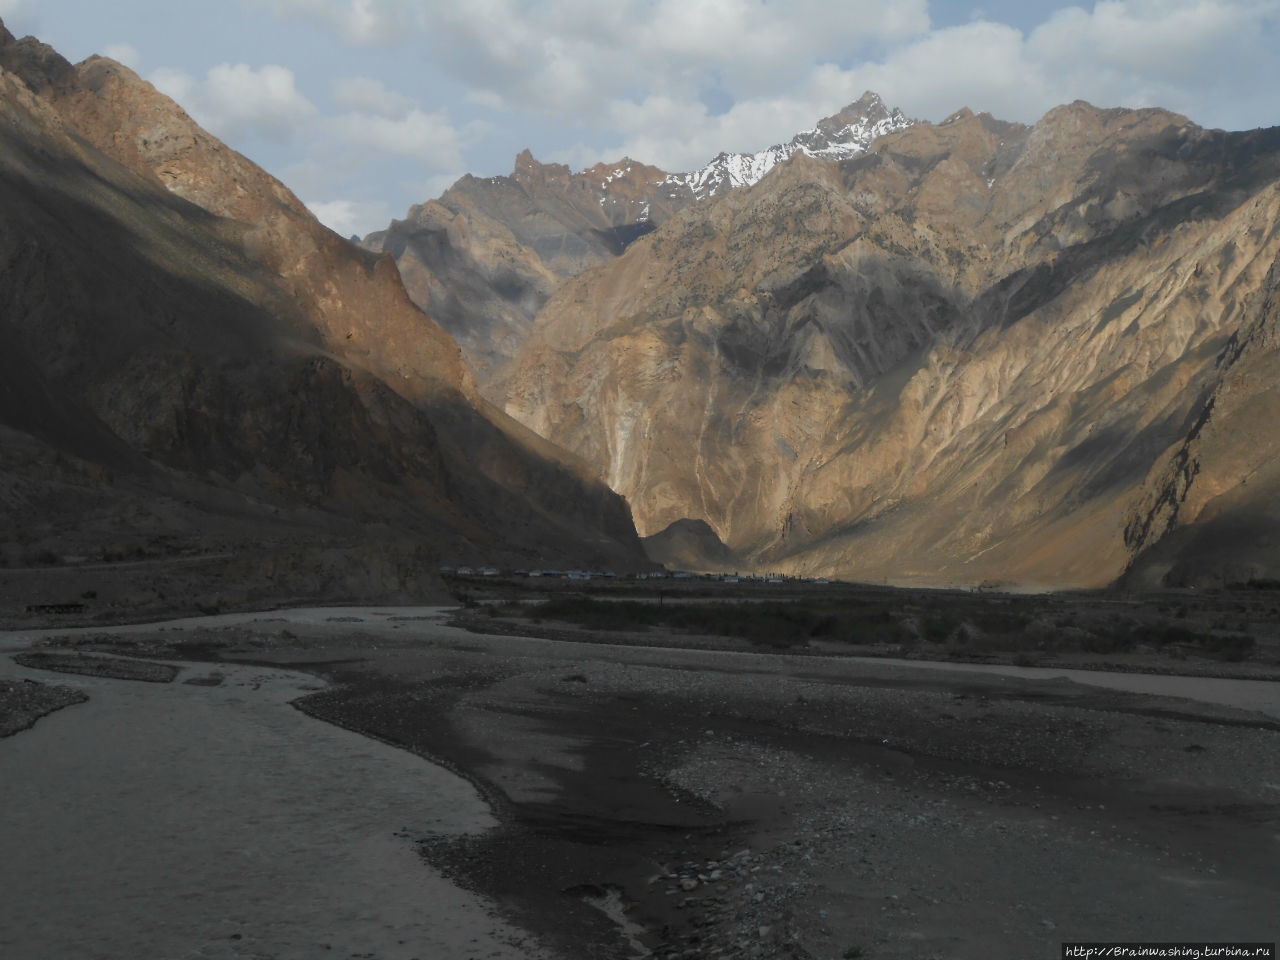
{"x": 188, "y": 820}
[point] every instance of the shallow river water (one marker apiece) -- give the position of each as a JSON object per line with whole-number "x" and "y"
{"x": 1260, "y": 695}
{"x": 181, "y": 821}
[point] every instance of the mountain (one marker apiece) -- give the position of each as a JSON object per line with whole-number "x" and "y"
{"x": 487, "y": 255}
{"x": 840, "y": 137}
{"x": 969, "y": 352}
{"x": 981, "y": 351}
{"x": 192, "y": 362}
{"x": 688, "y": 545}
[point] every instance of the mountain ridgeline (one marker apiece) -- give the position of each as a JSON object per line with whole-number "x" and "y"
{"x": 965, "y": 352}
{"x": 193, "y": 362}
{"x": 486, "y": 256}
{"x": 979, "y": 352}
{"x": 955, "y": 353}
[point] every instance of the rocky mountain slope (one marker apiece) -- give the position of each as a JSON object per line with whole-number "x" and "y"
{"x": 487, "y": 255}
{"x": 979, "y": 352}
{"x": 191, "y": 359}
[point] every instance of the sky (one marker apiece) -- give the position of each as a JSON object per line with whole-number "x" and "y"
{"x": 366, "y": 107}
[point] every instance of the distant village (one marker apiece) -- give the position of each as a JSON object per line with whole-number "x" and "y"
{"x": 448, "y": 571}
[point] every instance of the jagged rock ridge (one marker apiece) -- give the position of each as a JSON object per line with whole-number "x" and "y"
{"x": 840, "y": 137}
{"x": 485, "y": 256}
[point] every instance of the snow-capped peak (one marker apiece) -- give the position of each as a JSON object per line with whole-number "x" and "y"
{"x": 847, "y": 134}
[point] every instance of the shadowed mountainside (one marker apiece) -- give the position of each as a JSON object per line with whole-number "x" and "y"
{"x": 191, "y": 356}
{"x": 688, "y": 545}
{"x": 487, "y": 255}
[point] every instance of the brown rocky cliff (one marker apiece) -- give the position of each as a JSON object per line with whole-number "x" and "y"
{"x": 953, "y": 359}
{"x": 488, "y": 253}
{"x": 357, "y": 304}
{"x": 1208, "y": 516}
{"x": 528, "y": 172}
{"x": 512, "y": 240}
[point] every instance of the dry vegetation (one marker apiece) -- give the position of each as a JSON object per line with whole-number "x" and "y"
{"x": 1223, "y": 632}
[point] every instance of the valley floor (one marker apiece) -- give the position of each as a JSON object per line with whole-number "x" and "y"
{"x": 712, "y": 803}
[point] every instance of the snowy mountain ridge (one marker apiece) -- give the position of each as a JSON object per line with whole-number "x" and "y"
{"x": 847, "y": 134}
{"x": 486, "y": 255}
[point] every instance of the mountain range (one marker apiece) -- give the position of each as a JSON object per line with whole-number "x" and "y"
{"x": 486, "y": 256}
{"x": 957, "y": 353}
{"x": 966, "y": 352}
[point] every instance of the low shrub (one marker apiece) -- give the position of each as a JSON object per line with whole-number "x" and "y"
{"x": 779, "y": 624}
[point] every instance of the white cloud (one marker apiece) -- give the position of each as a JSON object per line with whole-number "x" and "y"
{"x": 365, "y": 95}
{"x": 125, "y": 53}
{"x": 348, "y": 217}
{"x": 578, "y": 55}
{"x": 1182, "y": 54}
{"x": 235, "y": 101}
{"x": 365, "y": 23}
{"x": 981, "y": 65}
{"x": 176, "y": 84}
{"x": 743, "y": 36}
{"x": 427, "y": 137}
{"x": 369, "y": 22}
{"x": 485, "y": 98}
{"x": 1177, "y": 53}
{"x": 436, "y": 185}
{"x": 265, "y": 101}
{"x": 1170, "y": 38}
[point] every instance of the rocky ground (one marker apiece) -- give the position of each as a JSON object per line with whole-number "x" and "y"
{"x": 22, "y": 704}
{"x": 95, "y": 666}
{"x": 694, "y": 803}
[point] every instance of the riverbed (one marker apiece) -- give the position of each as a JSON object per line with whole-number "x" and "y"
{"x": 1262, "y": 696}
{"x": 215, "y": 821}
{"x": 847, "y": 806}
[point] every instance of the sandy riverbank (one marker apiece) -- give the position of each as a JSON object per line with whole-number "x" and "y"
{"x": 207, "y": 818}
{"x": 770, "y": 806}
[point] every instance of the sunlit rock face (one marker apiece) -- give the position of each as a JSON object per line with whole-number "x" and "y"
{"x": 978, "y": 352}
{"x": 486, "y": 256}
